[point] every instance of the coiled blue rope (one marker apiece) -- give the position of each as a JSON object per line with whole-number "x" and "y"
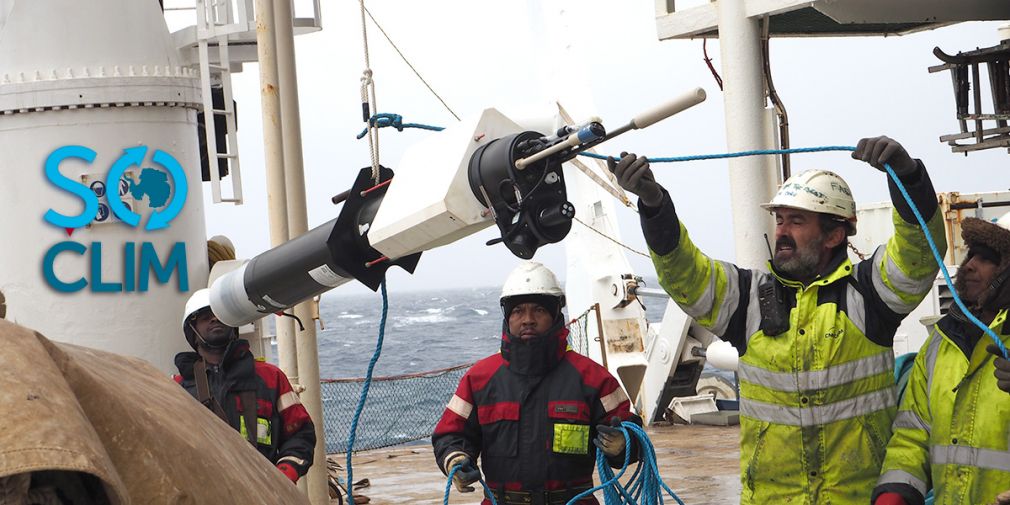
{"x": 364, "y": 394}
{"x": 644, "y": 488}
{"x": 384, "y": 119}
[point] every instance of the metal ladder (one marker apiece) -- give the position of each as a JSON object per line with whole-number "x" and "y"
{"x": 216, "y": 20}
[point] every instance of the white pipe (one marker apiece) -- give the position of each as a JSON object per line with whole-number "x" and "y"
{"x": 273, "y": 148}
{"x": 643, "y": 120}
{"x": 571, "y": 141}
{"x": 751, "y": 180}
{"x": 298, "y": 223}
{"x": 679, "y": 104}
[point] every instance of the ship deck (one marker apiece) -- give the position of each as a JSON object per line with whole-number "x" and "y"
{"x": 699, "y": 463}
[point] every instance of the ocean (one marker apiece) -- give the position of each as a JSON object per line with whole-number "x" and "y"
{"x": 425, "y": 330}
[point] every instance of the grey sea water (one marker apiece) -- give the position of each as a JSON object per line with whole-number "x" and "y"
{"x": 425, "y": 330}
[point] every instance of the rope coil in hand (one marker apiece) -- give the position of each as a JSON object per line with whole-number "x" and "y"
{"x": 645, "y": 486}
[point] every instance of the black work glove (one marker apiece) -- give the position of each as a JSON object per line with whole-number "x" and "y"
{"x": 633, "y": 174}
{"x": 609, "y": 439}
{"x": 1002, "y": 372}
{"x": 466, "y": 475}
{"x": 879, "y": 150}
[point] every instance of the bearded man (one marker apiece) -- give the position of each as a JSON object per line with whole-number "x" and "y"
{"x": 814, "y": 331}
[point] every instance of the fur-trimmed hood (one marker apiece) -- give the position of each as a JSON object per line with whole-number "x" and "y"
{"x": 980, "y": 231}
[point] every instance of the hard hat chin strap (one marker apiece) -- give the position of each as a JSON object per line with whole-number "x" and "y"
{"x": 202, "y": 342}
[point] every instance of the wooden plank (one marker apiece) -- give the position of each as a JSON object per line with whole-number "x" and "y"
{"x": 988, "y": 144}
{"x": 968, "y": 135}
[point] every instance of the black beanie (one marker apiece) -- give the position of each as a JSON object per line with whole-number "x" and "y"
{"x": 551, "y": 303}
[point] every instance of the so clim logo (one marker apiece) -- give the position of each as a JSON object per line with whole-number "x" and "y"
{"x": 112, "y": 197}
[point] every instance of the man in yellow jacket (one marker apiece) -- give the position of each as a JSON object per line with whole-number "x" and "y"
{"x": 951, "y": 432}
{"x": 814, "y": 332}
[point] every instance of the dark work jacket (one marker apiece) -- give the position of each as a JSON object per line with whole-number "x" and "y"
{"x": 511, "y": 421}
{"x": 292, "y": 436}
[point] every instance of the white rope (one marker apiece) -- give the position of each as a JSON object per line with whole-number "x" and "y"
{"x": 405, "y": 60}
{"x": 612, "y": 239}
{"x": 368, "y": 99}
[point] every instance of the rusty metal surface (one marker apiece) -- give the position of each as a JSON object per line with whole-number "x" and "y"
{"x": 623, "y": 335}
{"x": 700, "y": 464}
{"x": 966, "y": 78}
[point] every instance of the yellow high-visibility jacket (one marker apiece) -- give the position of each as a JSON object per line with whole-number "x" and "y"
{"x": 817, "y": 400}
{"x": 953, "y": 427}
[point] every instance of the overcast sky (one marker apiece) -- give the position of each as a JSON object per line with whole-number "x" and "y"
{"x": 478, "y": 54}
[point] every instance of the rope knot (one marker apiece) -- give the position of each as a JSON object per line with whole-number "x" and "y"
{"x": 384, "y": 119}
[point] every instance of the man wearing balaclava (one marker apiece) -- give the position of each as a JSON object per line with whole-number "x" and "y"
{"x": 529, "y": 412}
{"x": 252, "y": 396}
{"x": 952, "y": 431}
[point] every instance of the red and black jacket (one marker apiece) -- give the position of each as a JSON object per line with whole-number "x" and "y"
{"x": 292, "y": 434}
{"x": 508, "y": 420}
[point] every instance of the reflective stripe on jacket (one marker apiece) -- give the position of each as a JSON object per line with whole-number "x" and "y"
{"x": 817, "y": 400}
{"x": 531, "y": 433}
{"x": 285, "y": 432}
{"x": 951, "y": 433}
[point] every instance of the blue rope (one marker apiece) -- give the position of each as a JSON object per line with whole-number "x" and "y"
{"x": 645, "y": 486}
{"x": 741, "y": 154}
{"x": 384, "y": 119}
{"x": 364, "y": 395}
{"x": 901, "y": 187}
{"x": 943, "y": 268}
{"x": 448, "y": 486}
{"x": 904, "y": 193}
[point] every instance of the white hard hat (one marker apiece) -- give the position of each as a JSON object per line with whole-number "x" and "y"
{"x": 532, "y": 278}
{"x": 199, "y": 300}
{"x": 817, "y": 191}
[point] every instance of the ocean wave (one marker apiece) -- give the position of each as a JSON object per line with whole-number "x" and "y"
{"x": 345, "y": 315}
{"x": 426, "y": 319}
